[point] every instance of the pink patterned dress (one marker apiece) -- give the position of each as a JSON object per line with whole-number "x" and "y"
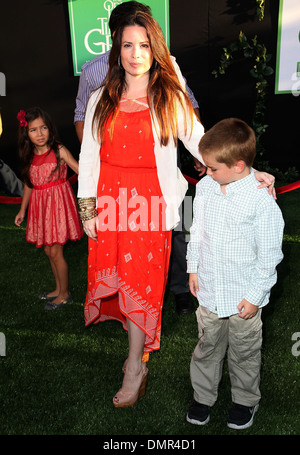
{"x": 52, "y": 213}
{"x": 128, "y": 265}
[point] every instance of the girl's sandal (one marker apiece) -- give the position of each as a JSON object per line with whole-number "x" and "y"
{"x": 54, "y": 306}
{"x": 44, "y": 296}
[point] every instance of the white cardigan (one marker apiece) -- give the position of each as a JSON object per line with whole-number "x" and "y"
{"x": 173, "y": 184}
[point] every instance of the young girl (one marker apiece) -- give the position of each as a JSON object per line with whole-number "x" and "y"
{"x": 52, "y": 213}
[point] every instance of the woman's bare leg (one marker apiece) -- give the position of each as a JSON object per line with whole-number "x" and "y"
{"x": 135, "y": 368}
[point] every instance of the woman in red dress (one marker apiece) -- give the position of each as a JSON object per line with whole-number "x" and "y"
{"x": 130, "y": 189}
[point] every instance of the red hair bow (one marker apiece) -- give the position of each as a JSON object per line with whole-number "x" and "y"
{"x": 21, "y": 118}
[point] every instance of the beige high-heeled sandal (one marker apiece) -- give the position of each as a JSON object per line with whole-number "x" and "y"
{"x": 123, "y": 399}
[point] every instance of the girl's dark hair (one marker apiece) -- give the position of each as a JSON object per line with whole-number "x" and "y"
{"x": 26, "y": 147}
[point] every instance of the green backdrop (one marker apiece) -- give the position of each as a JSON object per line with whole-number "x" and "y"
{"x": 90, "y": 35}
{"x": 288, "y": 48}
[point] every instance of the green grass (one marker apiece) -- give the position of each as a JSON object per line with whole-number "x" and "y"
{"x": 59, "y": 377}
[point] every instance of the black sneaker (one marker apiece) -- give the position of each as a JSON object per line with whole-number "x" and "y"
{"x": 241, "y": 417}
{"x": 198, "y": 413}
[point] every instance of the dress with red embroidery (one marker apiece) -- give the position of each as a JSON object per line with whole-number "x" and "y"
{"x": 52, "y": 213}
{"x": 128, "y": 266}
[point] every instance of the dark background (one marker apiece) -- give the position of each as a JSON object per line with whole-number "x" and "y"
{"x": 36, "y": 58}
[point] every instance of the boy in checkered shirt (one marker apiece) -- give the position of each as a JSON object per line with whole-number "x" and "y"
{"x": 234, "y": 248}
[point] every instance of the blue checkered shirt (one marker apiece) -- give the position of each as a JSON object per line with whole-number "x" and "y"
{"x": 235, "y": 244}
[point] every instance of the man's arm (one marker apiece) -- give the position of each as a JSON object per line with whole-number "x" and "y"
{"x": 82, "y": 97}
{"x": 79, "y": 130}
{"x": 92, "y": 76}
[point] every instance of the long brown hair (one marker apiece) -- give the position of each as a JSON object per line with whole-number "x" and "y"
{"x": 164, "y": 89}
{"x": 26, "y": 147}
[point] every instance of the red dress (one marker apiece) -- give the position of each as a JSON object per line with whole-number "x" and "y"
{"x": 52, "y": 213}
{"x": 128, "y": 266}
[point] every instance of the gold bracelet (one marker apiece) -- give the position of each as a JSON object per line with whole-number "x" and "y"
{"x": 88, "y": 215}
{"x": 87, "y": 208}
{"x": 87, "y": 202}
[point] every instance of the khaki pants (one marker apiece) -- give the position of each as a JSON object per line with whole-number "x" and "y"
{"x": 243, "y": 337}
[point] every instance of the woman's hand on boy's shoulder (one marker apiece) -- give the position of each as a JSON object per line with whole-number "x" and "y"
{"x": 267, "y": 181}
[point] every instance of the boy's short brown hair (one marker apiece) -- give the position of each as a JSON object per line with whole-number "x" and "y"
{"x": 229, "y": 141}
